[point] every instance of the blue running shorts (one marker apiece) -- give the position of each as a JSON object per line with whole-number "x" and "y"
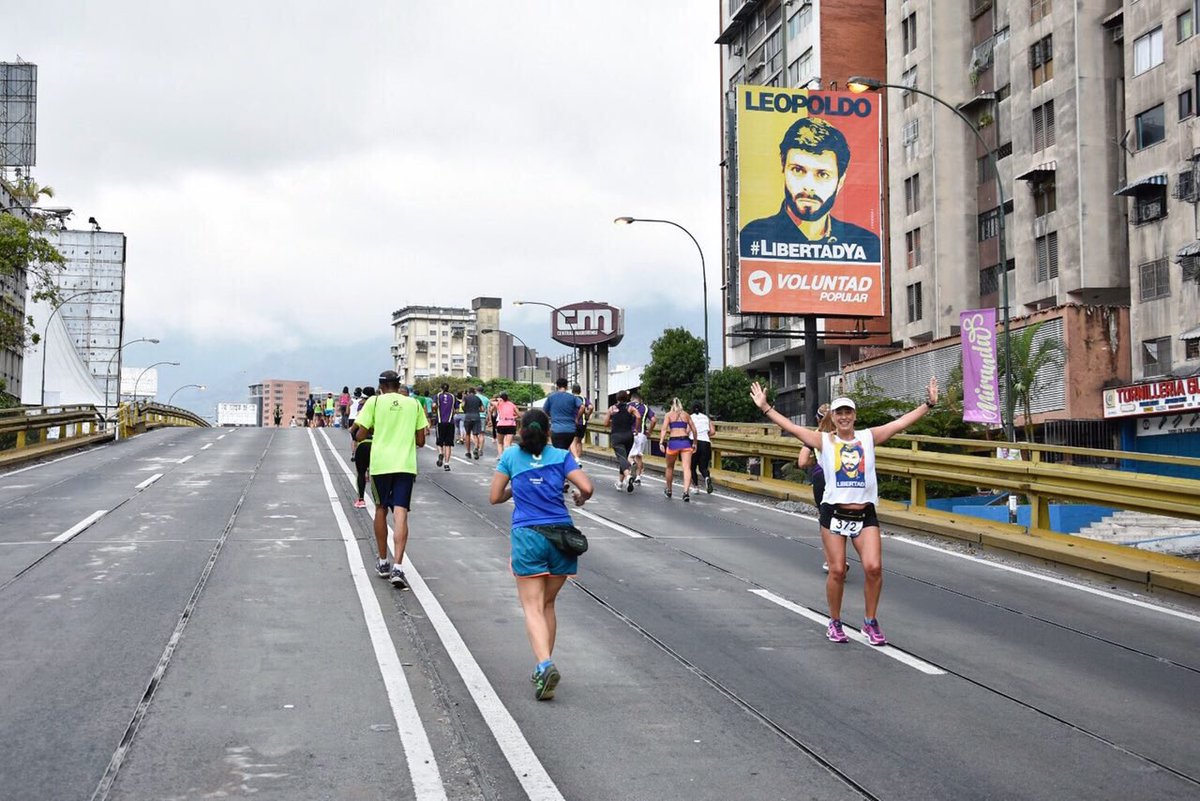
{"x": 393, "y": 489}
{"x": 533, "y": 555}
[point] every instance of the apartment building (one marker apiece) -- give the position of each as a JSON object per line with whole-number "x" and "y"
{"x": 430, "y": 341}
{"x": 810, "y": 44}
{"x": 289, "y": 396}
{"x": 1037, "y": 80}
{"x": 1160, "y": 147}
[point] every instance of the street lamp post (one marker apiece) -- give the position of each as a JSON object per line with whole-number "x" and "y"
{"x": 46, "y": 333}
{"x": 201, "y": 387}
{"x": 148, "y": 369}
{"x": 703, "y": 278}
{"x": 526, "y": 347}
{"x": 861, "y": 84}
{"x": 574, "y": 332}
{"x": 108, "y": 372}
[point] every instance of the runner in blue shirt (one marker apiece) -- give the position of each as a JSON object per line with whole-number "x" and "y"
{"x": 531, "y": 475}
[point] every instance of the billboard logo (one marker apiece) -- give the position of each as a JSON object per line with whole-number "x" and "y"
{"x": 589, "y": 323}
{"x": 760, "y": 282}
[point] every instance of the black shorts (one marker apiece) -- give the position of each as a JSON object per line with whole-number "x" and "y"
{"x": 393, "y": 489}
{"x": 581, "y": 432}
{"x": 445, "y": 435}
{"x": 471, "y": 425}
{"x": 868, "y": 513}
{"x": 506, "y": 431}
{"x": 562, "y": 439}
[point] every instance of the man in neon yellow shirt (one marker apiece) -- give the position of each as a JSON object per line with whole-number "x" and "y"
{"x": 396, "y": 424}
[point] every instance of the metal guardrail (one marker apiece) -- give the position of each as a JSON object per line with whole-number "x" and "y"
{"x": 135, "y": 418}
{"x": 42, "y": 429}
{"x": 28, "y": 432}
{"x": 974, "y": 465}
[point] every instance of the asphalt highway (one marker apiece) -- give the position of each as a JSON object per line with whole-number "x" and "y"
{"x": 193, "y": 614}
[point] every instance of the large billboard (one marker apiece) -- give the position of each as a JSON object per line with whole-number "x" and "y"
{"x": 587, "y": 323}
{"x": 810, "y": 220}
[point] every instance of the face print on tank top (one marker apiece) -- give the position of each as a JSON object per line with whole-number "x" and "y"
{"x": 851, "y": 464}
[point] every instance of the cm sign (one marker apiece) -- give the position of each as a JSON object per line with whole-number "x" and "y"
{"x": 587, "y": 323}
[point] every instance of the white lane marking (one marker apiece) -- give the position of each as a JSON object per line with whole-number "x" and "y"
{"x": 149, "y": 481}
{"x": 221, "y": 437}
{"x": 422, "y": 766}
{"x": 528, "y": 768}
{"x": 185, "y": 459}
{"x": 1051, "y": 579}
{"x": 206, "y": 446}
{"x": 80, "y": 526}
{"x": 17, "y": 486}
{"x": 857, "y": 636}
{"x": 614, "y": 526}
{"x": 1112, "y": 596}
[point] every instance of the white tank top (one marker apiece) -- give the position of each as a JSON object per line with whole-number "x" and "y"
{"x": 849, "y": 467}
{"x": 700, "y": 420}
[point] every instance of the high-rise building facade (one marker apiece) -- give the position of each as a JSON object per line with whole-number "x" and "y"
{"x": 812, "y": 44}
{"x": 290, "y": 397}
{"x": 431, "y": 341}
{"x": 1161, "y": 142}
{"x": 1039, "y": 81}
{"x": 94, "y": 317}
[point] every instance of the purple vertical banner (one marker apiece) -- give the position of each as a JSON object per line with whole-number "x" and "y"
{"x": 981, "y": 390}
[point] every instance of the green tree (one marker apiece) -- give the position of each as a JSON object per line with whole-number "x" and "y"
{"x": 1028, "y": 360}
{"x": 432, "y": 386}
{"x": 676, "y": 368}
{"x": 25, "y": 251}
{"x": 729, "y": 393}
{"x": 519, "y": 392}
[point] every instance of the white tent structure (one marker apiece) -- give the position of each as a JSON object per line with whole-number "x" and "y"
{"x": 67, "y": 378}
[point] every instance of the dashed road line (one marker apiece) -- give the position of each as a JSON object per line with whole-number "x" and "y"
{"x": 149, "y": 481}
{"x": 185, "y": 459}
{"x": 614, "y": 526}
{"x": 79, "y": 527}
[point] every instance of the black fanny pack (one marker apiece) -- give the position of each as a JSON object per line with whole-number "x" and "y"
{"x": 853, "y": 515}
{"x": 565, "y": 538}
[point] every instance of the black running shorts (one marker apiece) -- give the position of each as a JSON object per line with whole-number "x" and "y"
{"x": 445, "y": 435}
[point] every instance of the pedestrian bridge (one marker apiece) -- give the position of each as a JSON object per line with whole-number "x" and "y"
{"x": 191, "y": 613}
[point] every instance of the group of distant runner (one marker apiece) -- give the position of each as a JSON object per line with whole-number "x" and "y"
{"x": 544, "y": 465}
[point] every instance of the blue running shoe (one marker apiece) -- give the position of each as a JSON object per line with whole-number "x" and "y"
{"x": 544, "y": 682}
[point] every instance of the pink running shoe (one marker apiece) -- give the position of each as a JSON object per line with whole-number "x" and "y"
{"x": 874, "y": 635}
{"x": 359, "y": 503}
{"x": 834, "y": 633}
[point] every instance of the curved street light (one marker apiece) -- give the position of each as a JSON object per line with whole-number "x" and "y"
{"x": 703, "y": 278}
{"x": 108, "y": 371}
{"x": 201, "y": 387}
{"x": 526, "y": 347}
{"x": 574, "y": 332}
{"x": 148, "y": 369}
{"x": 861, "y": 84}
{"x": 46, "y": 332}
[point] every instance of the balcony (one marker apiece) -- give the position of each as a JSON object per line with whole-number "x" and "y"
{"x": 422, "y": 346}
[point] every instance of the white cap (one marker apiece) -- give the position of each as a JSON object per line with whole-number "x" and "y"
{"x": 841, "y": 403}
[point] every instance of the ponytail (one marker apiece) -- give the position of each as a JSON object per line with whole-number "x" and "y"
{"x": 535, "y": 428}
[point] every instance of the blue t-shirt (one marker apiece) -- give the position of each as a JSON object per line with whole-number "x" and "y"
{"x": 537, "y": 483}
{"x": 562, "y": 408}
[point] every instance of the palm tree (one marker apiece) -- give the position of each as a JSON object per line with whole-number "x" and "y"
{"x": 1029, "y": 359}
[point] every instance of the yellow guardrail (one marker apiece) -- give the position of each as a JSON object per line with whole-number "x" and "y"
{"x": 27, "y": 432}
{"x": 135, "y": 418}
{"x": 974, "y": 464}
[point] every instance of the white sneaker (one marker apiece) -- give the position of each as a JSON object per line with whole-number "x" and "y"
{"x": 620, "y": 484}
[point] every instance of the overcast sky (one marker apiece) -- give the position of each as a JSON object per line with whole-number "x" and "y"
{"x": 290, "y": 173}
